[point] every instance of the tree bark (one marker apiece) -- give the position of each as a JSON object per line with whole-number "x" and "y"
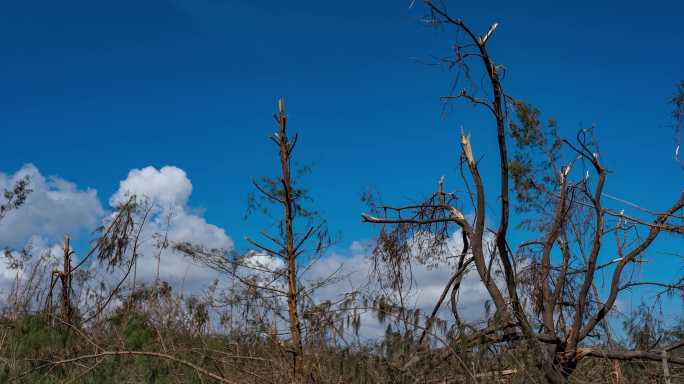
{"x": 65, "y": 277}
{"x": 290, "y": 249}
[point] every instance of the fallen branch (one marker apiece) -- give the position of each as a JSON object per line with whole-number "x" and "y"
{"x": 629, "y": 355}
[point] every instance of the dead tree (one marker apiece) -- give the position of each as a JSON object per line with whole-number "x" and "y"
{"x": 64, "y": 278}
{"x": 306, "y": 317}
{"x": 298, "y": 239}
{"x": 290, "y": 249}
{"x": 546, "y": 294}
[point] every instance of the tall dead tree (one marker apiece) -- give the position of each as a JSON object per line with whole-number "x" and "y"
{"x": 297, "y": 240}
{"x": 290, "y": 249}
{"x": 543, "y": 290}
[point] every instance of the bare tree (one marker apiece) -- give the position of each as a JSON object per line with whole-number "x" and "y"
{"x": 287, "y": 197}
{"x": 274, "y": 289}
{"x": 545, "y": 296}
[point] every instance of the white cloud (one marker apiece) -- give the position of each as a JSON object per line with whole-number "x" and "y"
{"x": 168, "y": 186}
{"x": 55, "y": 207}
{"x": 168, "y": 190}
{"x": 262, "y": 261}
{"x": 18, "y": 273}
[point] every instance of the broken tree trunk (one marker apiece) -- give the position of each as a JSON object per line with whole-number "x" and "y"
{"x": 65, "y": 277}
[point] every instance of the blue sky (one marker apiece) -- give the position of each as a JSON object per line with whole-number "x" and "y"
{"x": 91, "y": 90}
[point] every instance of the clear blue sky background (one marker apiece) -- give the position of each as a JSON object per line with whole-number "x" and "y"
{"x": 92, "y": 89}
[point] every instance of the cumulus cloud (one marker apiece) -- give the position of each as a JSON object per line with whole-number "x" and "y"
{"x": 168, "y": 186}
{"x": 55, "y": 207}
{"x": 167, "y": 190}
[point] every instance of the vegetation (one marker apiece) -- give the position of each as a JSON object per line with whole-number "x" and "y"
{"x": 263, "y": 321}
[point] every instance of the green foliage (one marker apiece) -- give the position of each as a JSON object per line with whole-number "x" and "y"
{"x": 533, "y": 165}
{"x": 31, "y": 343}
{"x": 35, "y": 337}
{"x": 30, "y": 339}
{"x": 137, "y": 335}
